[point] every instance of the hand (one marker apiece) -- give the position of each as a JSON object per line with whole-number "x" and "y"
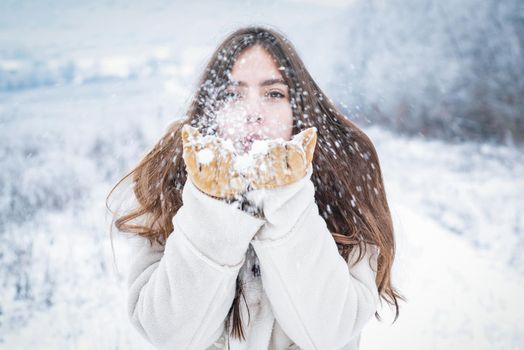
{"x": 284, "y": 162}
{"x": 210, "y": 165}
{"x": 216, "y": 169}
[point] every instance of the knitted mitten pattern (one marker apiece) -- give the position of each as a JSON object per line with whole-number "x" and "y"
{"x": 216, "y": 168}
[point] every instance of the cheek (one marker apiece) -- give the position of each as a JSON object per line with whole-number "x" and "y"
{"x": 230, "y": 123}
{"x": 279, "y": 123}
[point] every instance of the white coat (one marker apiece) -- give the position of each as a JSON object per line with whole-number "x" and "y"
{"x": 301, "y": 293}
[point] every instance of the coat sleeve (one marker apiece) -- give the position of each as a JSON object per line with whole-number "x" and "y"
{"x": 180, "y": 293}
{"x": 320, "y": 300}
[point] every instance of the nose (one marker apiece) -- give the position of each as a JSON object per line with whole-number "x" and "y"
{"x": 253, "y": 118}
{"x": 253, "y": 110}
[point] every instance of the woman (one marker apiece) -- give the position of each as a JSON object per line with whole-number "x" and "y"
{"x": 250, "y": 271}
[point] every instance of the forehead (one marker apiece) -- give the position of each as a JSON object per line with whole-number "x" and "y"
{"x": 255, "y": 65}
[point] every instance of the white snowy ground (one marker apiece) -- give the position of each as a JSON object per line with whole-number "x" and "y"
{"x": 458, "y": 215}
{"x": 457, "y": 208}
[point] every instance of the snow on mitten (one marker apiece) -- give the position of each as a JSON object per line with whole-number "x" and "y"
{"x": 282, "y": 163}
{"x": 209, "y": 163}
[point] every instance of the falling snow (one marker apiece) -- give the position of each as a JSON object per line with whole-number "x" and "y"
{"x": 457, "y": 214}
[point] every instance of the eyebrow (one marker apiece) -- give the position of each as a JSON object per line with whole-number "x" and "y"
{"x": 263, "y": 83}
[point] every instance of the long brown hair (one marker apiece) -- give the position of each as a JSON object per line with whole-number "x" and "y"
{"x": 350, "y": 191}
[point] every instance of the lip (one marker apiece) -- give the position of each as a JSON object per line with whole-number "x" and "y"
{"x": 253, "y": 137}
{"x": 248, "y": 141}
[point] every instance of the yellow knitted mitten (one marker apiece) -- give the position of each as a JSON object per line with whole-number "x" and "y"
{"x": 283, "y": 162}
{"x": 218, "y": 170}
{"x": 209, "y": 163}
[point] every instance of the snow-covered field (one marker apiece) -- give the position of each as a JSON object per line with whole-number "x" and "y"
{"x": 458, "y": 215}
{"x": 76, "y": 115}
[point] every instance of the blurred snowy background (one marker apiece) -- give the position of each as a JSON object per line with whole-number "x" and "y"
{"x": 87, "y": 88}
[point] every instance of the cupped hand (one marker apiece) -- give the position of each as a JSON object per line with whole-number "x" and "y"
{"x": 210, "y": 164}
{"x": 217, "y": 169}
{"x": 284, "y": 162}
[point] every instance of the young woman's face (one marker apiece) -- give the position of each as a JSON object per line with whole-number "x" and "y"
{"x": 257, "y": 104}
